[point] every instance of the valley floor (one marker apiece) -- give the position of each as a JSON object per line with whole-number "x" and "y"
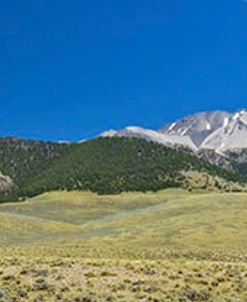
{"x": 165, "y": 246}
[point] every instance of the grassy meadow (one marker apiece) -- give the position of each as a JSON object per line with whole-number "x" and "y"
{"x": 166, "y": 246}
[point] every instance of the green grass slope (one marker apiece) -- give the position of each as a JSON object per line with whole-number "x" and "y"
{"x": 169, "y": 219}
{"x": 162, "y": 247}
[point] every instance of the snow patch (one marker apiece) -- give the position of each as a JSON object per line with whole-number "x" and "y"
{"x": 226, "y": 121}
{"x": 208, "y": 126}
{"x": 236, "y": 116}
{"x": 172, "y": 126}
{"x": 109, "y": 133}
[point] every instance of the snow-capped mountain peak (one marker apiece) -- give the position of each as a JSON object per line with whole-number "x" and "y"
{"x": 232, "y": 135}
{"x": 198, "y": 126}
{"x": 215, "y": 130}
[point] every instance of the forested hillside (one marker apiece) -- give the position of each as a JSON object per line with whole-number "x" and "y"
{"x": 113, "y": 165}
{"x": 102, "y": 165}
{"x": 22, "y": 159}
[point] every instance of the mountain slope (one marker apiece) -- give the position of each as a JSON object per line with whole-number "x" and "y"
{"x": 217, "y": 137}
{"x": 212, "y": 145}
{"x": 198, "y": 126}
{"x": 232, "y": 135}
{"x": 114, "y": 165}
{"x": 21, "y": 159}
{"x": 152, "y": 136}
{"x": 215, "y": 130}
{"x": 6, "y": 183}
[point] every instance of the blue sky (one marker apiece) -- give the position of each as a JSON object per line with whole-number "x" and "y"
{"x": 70, "y": 69}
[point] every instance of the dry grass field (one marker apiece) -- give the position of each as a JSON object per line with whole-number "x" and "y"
{"x": 165, "y": 246}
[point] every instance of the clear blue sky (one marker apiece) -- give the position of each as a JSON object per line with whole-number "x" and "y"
{"x": 70, "y": 69}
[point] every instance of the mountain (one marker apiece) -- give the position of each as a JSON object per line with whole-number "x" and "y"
{"x": 204, "y": 151}
{"x": 106, "y": 165}
{"x": 217, "y": 137}
{"x": 198, "y": 126}
{"x": 117, "y": 164}
{"x": 154, "y": 136}
{"x": 216, "y": 130}
{"x": 21, "y": 160}
{"x": 231, "y": 135}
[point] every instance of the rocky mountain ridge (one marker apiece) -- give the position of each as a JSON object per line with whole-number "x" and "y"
{"x": 219, "y": 131}
{"x": 204, "y": 151}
